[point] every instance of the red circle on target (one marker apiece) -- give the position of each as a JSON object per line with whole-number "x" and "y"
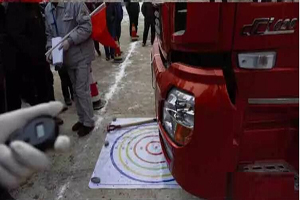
{"x": 147, "y": 148}
{"x": 134, "y": 149}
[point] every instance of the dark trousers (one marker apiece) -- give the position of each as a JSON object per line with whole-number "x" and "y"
{"x": 109, "y": 52}
{"x": 97, "y": 47}
{"x": 146, "y": 30}
{"x": 44, "y": 85}
{"x": 51, "y": 96}
{"x": 66, "y": 84}
{"x": 38, "y": 84}
{"x": 35, "y": 86}
{"x": 133, "y": 20}
{"x": 118, "y": 31}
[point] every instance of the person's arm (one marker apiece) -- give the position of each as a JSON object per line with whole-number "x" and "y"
{"x": 48, "y": 33}
{"x": 143, "y": 10}
{"x": 84, "y": 30}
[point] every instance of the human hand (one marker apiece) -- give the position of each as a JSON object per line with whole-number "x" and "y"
{"x": 49, "y": 58}
{"x": 65, "y": 45}
{"x": 19, "y": 160}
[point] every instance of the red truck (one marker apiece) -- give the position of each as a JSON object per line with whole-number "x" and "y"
{"x": 226, "y": 80}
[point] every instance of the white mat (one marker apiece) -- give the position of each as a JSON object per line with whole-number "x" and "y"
{"x": 133, "y": 159}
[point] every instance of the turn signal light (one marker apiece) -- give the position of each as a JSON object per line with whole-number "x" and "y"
{"x": 182, "y": 134}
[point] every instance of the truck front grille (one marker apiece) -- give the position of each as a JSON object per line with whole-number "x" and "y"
{"x": 266, "y": 167}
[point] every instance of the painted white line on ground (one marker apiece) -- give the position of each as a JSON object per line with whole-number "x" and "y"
{"x": 114, "y": 88}
{"x": 134, "y": 107}
{"x": 121, "y": 73}
{"x": 62, "y": 190}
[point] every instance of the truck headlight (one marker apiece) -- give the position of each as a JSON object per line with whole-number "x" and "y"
{"x": 178, "y": 116}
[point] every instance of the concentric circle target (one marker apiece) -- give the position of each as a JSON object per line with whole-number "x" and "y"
{"x": 137, "y": 154}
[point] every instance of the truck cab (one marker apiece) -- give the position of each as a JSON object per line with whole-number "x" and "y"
{"x": 226, "y": 80}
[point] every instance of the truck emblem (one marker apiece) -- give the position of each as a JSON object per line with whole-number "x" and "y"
{"x": 267, "y": 26}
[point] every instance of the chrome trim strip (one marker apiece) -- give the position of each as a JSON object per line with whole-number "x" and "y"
{"x": 273, "y": 101}
{"x": 182, "y": 11}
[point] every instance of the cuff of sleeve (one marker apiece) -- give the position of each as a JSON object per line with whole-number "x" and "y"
{"x": 48, "y": 47}
{"x": 71, "y": 42}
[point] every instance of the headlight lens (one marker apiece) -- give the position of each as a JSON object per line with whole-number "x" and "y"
{"x": 178, "y": 115}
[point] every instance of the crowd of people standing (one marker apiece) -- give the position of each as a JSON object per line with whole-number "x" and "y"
{"x": 26, "y": 33}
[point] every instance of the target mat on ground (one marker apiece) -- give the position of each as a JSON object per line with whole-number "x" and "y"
{"x": 133, "y": 159}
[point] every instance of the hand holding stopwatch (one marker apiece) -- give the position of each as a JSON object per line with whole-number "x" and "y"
{"x": 41, "y": 132}
{"x": 23, "y": 134}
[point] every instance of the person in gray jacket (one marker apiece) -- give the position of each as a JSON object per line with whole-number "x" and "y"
{"x": 61, "y": 18}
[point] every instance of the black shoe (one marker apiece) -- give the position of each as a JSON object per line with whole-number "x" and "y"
{"x": 68, "y": 102}
{"x": 84, "y": 130}
{"x": 118, "y": 59}
{"x": 99, "y": 104}
{"x": 133, "y": 39}
{"x": 107, "y": 58}
{"x": 58, "y": 121}
{"x": 144, "y": 44}
{"x": 77, "y": 126}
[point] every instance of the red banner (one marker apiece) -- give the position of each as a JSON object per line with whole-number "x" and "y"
{"x": 100, "y": 32}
